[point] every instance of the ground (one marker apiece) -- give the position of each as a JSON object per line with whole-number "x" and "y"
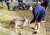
{"x": 6, "y": 17}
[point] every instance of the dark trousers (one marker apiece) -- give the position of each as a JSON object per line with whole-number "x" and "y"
{"x": 44, "y": 5}
{"x": 11, "y": 0}
{"x": 8, "y": 5}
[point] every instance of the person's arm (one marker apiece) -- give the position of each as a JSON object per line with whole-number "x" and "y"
{"x": 35, "y": 16}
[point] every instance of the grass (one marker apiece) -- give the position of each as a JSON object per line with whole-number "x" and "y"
{"x": 6, "y": 16}
{"x": 4, "y": 31}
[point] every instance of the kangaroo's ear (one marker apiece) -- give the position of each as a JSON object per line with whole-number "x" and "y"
{"x": 24, "y": 17}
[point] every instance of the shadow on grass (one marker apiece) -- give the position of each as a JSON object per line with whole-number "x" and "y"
{"x": 5, "y": 24}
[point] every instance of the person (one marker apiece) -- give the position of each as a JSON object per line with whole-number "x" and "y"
{"x": 20, "y": 1}
{"x": 44, "y": 3}
{"x": 39, "y": 13}
{"x": 7, "y": 2}
{"x": 22, "y": 6}
{"x": 1, "y": 3}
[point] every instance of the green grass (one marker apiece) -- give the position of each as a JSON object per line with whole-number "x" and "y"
{"x": 12, "y": 4}
{"x": 5, "y": 18}
{"x": 4, "y": 33}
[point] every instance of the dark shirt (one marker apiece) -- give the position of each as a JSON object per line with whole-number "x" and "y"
{"x": 38, "y": 11}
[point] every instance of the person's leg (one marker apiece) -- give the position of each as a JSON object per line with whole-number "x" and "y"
{"x": 11, "y": 0}
{"x": 8, "y": 5}
{"x": 1, "y": 4}
{"x": 37, "y": 25}
{"x": 45, "y": 7}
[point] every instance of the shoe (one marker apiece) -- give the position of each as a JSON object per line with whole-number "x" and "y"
{"x": 33, "y": 28}
{"x": 36, "y": 32}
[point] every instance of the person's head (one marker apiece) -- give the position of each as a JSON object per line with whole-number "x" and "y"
{"x": 24, "y": 6}
{"x": 31, "y": 8}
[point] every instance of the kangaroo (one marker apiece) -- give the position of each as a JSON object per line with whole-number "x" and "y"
{"x": 18, "y": 22}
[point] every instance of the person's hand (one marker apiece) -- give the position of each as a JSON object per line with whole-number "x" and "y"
{"x": 41, "y": 1}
